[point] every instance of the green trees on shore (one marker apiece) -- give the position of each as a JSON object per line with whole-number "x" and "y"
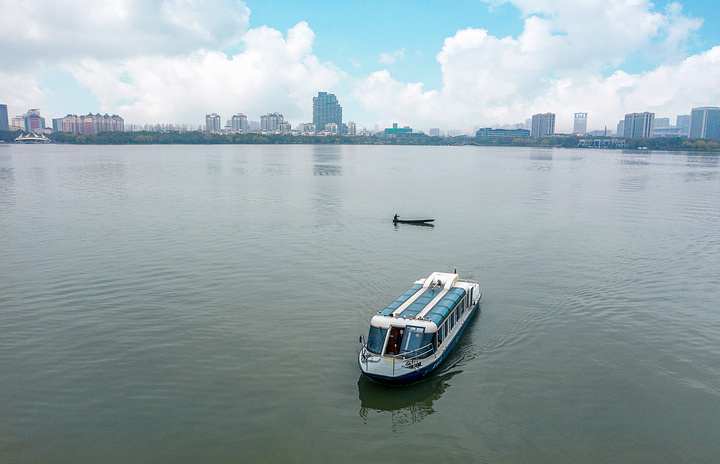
{"x": 201, "y": 138}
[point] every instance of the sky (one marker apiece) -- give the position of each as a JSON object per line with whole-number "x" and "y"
{"x": 452, "y": 64}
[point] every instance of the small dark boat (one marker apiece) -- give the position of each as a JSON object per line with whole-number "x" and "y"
{"x": 412, "y": 221}
{"x": 397, "y": 220}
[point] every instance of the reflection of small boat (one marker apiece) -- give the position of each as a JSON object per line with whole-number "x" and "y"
{"x": 413, "y": 335}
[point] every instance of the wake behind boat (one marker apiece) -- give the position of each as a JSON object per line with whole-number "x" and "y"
{"x": 413, "y": 335}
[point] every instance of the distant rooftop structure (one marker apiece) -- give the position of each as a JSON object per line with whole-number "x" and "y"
{"x": 395, "y": 130}
{"x": 32, "y": 137}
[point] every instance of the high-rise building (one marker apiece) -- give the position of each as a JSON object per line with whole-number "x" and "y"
{"x": 326, "y": 110}
{"x": 17, "y": 123}
{"x": 705, "y": 123}
{"x": 580, "y": 123}
{"x": 352, "y": 128}
{"x": 639, "y": 125}
{"x": 542, "y": 125}
{"x": 4, "y": 121}
{"x": 332, "y": 128}
{"x": 661, "y": 123}
{"x": 213, "y": 123}
{"x": 683, "y": 124}
{"x": 271, "y": 122}
{"x": 239, "y": 123}
{"x": 33, "y": 121}
{"x": 89, "y": 124}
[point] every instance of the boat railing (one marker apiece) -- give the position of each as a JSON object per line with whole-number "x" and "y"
{"x": 412, "y": 358}
{"x": 409, "y": 359}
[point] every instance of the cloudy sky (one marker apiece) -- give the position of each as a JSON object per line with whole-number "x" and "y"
{"x": 451, "y": 64}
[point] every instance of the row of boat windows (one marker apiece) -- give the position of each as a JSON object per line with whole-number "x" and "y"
{"x": 412, "y": 340}
{"x": 449, "y": 323}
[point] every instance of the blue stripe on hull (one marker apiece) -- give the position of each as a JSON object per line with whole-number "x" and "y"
{"x": 407, "y": 378}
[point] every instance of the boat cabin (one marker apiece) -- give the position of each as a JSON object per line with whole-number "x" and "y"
{"x": 418, "y": 322}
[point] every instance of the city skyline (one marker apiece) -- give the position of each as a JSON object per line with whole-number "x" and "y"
{"x": 703, "y": 124}
{"x": 458, "y": 65}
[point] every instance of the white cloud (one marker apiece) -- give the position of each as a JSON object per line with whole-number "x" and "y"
{"x": 30, "y": 94}
{"x": 559, "y": 63}
{"x": 55, "y": 32}
{"x": 161, "y": 61}
{"x": 273, "y": 73}
{"x": 392, "y": 58}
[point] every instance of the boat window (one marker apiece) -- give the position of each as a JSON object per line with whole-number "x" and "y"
{"x": 376, "y": 339}
{"x": 427, "y": 347}
{"x": 412, "y": 339}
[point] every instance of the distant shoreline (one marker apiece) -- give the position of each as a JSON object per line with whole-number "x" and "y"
{"x": 200, "y": 138}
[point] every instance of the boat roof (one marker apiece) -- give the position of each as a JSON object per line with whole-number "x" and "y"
{"x": 429, "y": 299}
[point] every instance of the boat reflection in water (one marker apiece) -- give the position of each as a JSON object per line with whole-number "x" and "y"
{"x": 406, "y": 405}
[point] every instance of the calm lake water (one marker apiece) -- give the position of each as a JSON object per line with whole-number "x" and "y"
{"x": 203, "y": 304}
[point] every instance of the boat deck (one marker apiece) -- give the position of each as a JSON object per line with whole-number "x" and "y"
{"x": 422, "y": 302}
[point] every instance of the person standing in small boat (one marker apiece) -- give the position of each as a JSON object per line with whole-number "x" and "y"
{"x": 395, "y": 218}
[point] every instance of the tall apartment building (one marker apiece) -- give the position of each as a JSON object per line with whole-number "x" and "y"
{"x": 683, "y": 124}
{"x": 352, "y": 128}
{"x": 239, "y": 123}
{"x": 271, "y": 122}
{"x": 33, "y": 121}
{"x": 213, "y": 123}
{"x": 490, "y": 133}
{"x": 542, "y": 125}
{"x": 705, "y": 123}
{"x": 580, "y": 123}
{"x": 326, "y": 110}
{"x": 639, "y": 125}
{"x": 661, "y": 123}
{"x": 89, "y": 124}
{"x": 4, "y": 121}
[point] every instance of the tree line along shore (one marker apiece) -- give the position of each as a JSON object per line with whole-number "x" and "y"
{"x": 201, "y": 138}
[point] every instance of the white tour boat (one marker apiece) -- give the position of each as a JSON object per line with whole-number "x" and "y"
{"x": 413, "y": 335}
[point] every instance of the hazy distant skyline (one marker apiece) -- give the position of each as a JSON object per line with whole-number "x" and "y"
{"x": 452, "y": 64}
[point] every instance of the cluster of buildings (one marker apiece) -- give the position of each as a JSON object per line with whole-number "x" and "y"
{"x": 327, "y": 120}
{"x": 29, "y": 122}
{"x": 89, "y": 124}
{"x": 701, "y": 123}
{"x": 33, "y": 122}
